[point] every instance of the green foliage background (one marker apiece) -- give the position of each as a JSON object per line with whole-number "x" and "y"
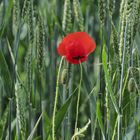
{"x": 30, "y": 32}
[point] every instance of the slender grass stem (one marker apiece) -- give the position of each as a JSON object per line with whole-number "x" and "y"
{"x": 78, "y": 100}
{"x": 101, "y": 50}
{"x": 70, "y": 108}
{"x": 65, "y": 93}
{"x": 101, "y": 95}
{"x": 64, "y": 122}
{"x": 56, "y": 99}
{"x": 121, "y": 84}
{"x": 40, "y": 98}
{"x": 10, "y": 117}
{"x": 115, "y": 127}
{"x": 94, "y": 129}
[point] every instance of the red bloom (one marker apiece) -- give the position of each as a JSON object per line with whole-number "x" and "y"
{"x": 76, "y": 47}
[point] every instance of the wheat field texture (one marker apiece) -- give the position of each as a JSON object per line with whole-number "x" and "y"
{"x": 69, "y": 69}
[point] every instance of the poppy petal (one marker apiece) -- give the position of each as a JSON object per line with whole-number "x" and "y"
{"x": 76, "y": 47}
{"x": 62, "y": 49}
{"x": 87, "y": 42}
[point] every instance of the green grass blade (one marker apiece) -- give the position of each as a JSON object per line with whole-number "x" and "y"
{"x": 108, "y": 80}
{"x": 60, "y": 115}
{"x": 99, "y": 117}
{"x": 62, "y": 112}
{"x": 5, "y": 74}
{"x": 34, "y": 129}
{"x": 3, "y": 122}
{"x": 6, "y": 17}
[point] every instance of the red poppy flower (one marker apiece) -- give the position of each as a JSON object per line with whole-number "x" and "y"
{"x": 76, "y": 47}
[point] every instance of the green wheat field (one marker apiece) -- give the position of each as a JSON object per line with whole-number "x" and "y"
{"x": 45, "y": 97}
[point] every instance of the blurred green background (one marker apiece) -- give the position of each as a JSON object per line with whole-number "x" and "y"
{"x": 30, "y": 32}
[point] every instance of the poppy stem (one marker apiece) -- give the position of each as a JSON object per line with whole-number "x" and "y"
{"x": 78, "y": 100}
{"x": 56, "y": 100}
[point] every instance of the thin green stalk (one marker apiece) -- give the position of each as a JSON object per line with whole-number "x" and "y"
{"x": 40, "y": 100}
{"x": 88, "y": 97}
{"x": 56, "y": 100}
{"x": 64, "y": 122}
{"x": 94, "y": 129}
{"x": 65, "y": 81}
{"x": 43, "y": 106}
{"x": 78, "y": 100}
{"x": 119, "y": 127}
{"x": 100, "y": 59}
{"x": 107, "y": 115}
{"x": 121, "y": 84}
{"x": 10, "y": 118}
{"x": 92, "y": 113}
{"x": 70, "y": 108}
{"x": 101, "y": 95}
{"x": 35, "y": 128}
{"x": 114, "y": 130}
